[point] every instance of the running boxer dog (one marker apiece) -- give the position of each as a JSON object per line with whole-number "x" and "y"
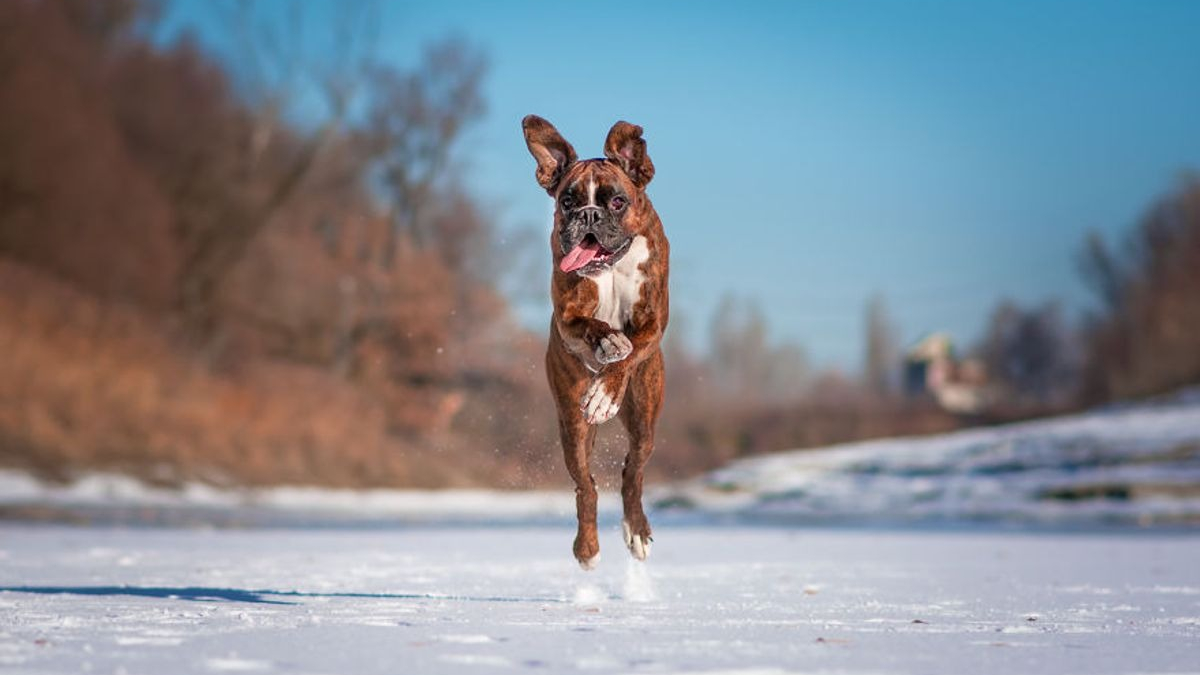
{"x": 609, "y": 289}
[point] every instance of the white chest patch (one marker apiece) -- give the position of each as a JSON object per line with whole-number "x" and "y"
{"x": 620, "y": 286}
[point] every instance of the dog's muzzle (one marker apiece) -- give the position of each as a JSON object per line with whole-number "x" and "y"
{"x": 593, "y": 242}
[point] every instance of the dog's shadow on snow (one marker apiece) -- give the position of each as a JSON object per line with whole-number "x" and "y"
{"x": 262, "y": 596}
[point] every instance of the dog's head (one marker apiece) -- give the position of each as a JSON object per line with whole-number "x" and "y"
{"x": 599, "y": 203}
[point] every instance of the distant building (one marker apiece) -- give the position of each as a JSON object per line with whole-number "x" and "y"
{"x": 932, "y": 369}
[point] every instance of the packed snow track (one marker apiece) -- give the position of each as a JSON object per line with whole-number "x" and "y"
{"x": 712, "y": 599}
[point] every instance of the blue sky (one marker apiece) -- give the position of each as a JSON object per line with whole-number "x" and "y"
{"x": 810, "y": 154}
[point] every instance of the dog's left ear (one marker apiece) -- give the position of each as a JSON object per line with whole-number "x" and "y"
{"x": 626, "y": 147}
{"x": 553, "y": 153}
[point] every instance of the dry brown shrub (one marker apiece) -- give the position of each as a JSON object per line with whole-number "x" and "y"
{"x": 89, "y": 385}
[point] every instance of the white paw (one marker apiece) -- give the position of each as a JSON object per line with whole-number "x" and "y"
{"x": 613, "y": 347}
{"x": 597, "y": 404}
{"x": 638, "y": 545}
{"x": 590, "y": 564}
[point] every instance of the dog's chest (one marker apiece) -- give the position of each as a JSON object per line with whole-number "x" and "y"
{"x": 620, "y": 287}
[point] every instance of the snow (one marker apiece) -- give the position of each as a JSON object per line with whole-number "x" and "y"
{"x": 733, "y": 599}
{"x": 1133, "y": 465}
{"x": 105, "y": 497}
{"x": 1059, "y": 546}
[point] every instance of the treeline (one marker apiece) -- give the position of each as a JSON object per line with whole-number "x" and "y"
{"x": 1145, "y": 338}
{"x": 192, "y": 285}
{"x": 746, "y": 394}
{"x": 1140, "y": 339}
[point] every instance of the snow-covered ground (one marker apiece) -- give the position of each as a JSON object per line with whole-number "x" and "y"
{"x": 991, "y": 573}
{"x": 734, "y": 599}
{"x": 1129, "y": 465}
{"x": 114, "y": 498}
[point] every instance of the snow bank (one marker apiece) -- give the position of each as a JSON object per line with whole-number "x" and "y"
{"x": 106, "y": 496}
{"x": 1137, "y": 464}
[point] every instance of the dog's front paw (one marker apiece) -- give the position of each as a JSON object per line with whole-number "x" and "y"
{"x": 598, "y": 403}
{"x": 613, "y": 347}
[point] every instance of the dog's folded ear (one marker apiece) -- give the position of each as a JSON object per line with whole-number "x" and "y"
{"x": 552, "y": 152}
{"x": 626, "y": 147}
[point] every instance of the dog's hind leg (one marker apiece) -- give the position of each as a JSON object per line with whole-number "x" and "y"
{"x": 568, "y": 380}
{"x": 639, "y": 414}
{"x": 577, "y": 438}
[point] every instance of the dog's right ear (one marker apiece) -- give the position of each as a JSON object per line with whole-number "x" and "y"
{"x": 552, "y": 152}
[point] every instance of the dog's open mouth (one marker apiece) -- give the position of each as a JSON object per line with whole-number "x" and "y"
{"x": 589, "y": 255}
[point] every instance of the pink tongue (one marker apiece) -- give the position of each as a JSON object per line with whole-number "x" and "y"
{"x": 579, "y": 256}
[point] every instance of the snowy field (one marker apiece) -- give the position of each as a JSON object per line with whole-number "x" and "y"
{"x": 511, "y": 599}
{"x": 1061, "y": 546}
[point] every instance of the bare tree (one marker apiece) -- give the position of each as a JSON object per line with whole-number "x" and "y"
{"x": 74, "y": 200}
{"x": 413, "y": 121}
{"x": 106, "y": 22}
{"x": 274, "y": 159}
{"x": 1144, "y": 339}
{"x": 745, "y": 365}
{"x": 1032, "y": 353}
{"x": 880, "y": 366}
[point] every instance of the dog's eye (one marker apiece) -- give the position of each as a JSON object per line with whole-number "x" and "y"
{"x": 617, "y": 203}
{"x": 566, "y": 202}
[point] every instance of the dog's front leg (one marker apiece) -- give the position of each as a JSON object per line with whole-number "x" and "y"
{"x": 602, "y": 345}
{"x": 623, "y": 354}
{"x": 603, "y": 397}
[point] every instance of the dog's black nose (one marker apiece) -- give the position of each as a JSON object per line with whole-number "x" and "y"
{"x": 590, "y": 215}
